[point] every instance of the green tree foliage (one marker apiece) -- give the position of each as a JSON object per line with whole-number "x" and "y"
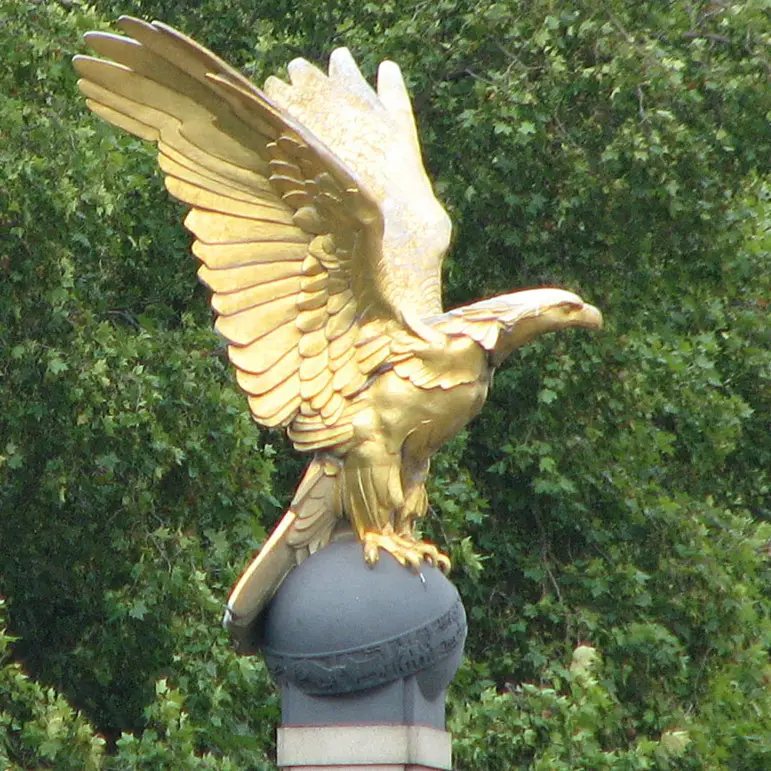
{"x": 608, "y": 513}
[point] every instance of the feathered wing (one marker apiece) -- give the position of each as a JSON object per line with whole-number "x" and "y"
{"x": 322, "y": 245}
{"x": 282, "y": 229}
{"x": 374, "y": 135}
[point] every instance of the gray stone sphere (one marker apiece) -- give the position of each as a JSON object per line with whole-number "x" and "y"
{"x": 337, "y": 625}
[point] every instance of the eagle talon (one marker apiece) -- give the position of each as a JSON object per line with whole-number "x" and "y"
{"x": 371, "y": 553}
{"x": 406, "y": 550}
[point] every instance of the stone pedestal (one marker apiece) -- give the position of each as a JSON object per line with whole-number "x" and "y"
{"x": 363, "y": 657}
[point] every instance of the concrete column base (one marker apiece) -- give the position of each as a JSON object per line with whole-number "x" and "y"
{"x": 364, "y": 748}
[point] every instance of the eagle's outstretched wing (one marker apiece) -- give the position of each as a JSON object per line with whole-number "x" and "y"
{"x": 307, "y": 227}
{"x": 374, "y": 135}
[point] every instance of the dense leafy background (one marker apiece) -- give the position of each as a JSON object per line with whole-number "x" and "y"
{"x": 608, "y": 514}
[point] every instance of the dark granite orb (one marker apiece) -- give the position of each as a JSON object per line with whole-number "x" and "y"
{"x": 349, "y": 643}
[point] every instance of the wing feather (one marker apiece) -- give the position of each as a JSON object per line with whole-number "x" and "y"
{"x": 282, "y": 416}
{"x": 377, "y": 357}
{"x": 333, "y": 409}
{"x": 275, "y": 337}
{"x": 206, "y": 180}
{"x": 312, "y": 301}
{"x": 336, "y": 363}
{"x": 245, "y": 276}
{"x": 341, "y": 323}
{"x": 313, "y": 344}
{"x": 267, "y": 293}
{"x": 354, "y": 385}
{"x": 340, "y": 300}
{"x": 346, "y": 372}
{"x": 236, "y": 178}
{"x": 217, "y": 229}
{"x": 263, "y": 352}
{"x": 117, "y": 118}
{"x": 236, "y": 255}
{"x": 312, "y": 315}
{"x": 314, "y": 374}
{"x": 258, "y": 384}
{"x": 323, "y": 396}
{"x": 248, "y": 357}
{"x": 200, "y": 198}
{"x": 343, "y": 341}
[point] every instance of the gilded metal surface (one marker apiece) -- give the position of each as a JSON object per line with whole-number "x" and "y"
{"x": 322, "y": 242}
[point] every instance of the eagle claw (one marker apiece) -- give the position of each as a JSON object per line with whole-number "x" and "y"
{"x": 407, "y": 550}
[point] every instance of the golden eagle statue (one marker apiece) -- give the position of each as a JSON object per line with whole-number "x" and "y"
{"x": 322, "y": 242}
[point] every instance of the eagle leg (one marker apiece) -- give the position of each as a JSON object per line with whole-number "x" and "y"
{"x": 415, "y": 497}
{"x": 383, "y": 517}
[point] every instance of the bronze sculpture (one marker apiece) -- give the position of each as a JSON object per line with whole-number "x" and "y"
{"x": 322, "y": 242}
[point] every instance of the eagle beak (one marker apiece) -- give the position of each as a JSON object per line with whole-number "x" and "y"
{"x": 588, "y": 317}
